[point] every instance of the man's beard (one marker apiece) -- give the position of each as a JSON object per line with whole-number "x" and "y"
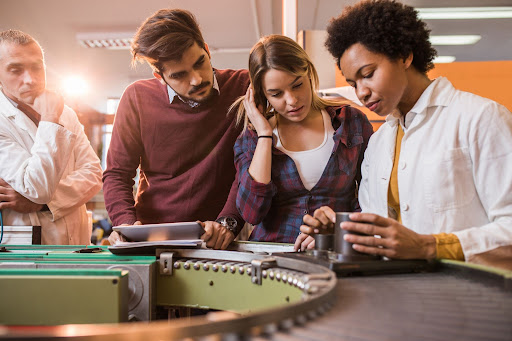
{"x": 197, "y": 89}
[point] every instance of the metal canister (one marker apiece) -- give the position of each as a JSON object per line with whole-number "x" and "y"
{"x": 341, "y": 246}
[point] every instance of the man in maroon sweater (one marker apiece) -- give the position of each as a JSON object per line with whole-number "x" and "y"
{"x": 176, "y": 128}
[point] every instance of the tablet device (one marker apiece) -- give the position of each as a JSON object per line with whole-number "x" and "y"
{"x": 158, "y": 232}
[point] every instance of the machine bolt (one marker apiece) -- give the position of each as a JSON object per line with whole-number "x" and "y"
{"x": 300, "y": 320}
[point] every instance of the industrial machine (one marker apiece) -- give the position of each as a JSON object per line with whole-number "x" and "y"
{"x": 257, "y": 291}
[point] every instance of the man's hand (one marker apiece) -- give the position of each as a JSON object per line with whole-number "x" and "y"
{"x": 397, "y": 241}
{"x": 216, "y": 236}
{"x": 49, "y": 105}
{"x": 304, "y": 242}
{"x": 11, "y": 199}
{"x": 115, "y": 237}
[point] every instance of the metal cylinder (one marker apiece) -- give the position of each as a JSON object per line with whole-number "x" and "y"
{"x": 341, "y": 246}
{"x": 324, "y": 242}
{"x": 344, "y": 248}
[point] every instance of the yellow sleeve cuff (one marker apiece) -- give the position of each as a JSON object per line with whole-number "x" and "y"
{"x": 448, "y": 246}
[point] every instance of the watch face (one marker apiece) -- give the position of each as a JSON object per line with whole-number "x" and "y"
{"x": 231, "y": 222}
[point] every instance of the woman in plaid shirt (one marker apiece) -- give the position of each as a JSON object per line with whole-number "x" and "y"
{"x": 298, "y": 152}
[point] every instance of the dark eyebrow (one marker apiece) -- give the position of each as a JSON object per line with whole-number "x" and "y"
{"x": 357, "y": 73}
{"x": 181, "y": 73}
{"x": 199, "y": 60}
{"x": 294, "y": 81}
{"x": 177, "y": 74}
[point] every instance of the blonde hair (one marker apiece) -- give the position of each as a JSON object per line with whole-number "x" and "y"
{"x": 284, "y": 54}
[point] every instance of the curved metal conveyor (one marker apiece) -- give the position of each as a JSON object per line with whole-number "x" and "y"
{"x": 288, "y": 299}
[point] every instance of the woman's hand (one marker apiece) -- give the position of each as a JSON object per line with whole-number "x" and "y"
{"x": 396, "y": 241}
{"x": 323, "y": 219}
{"x": 255, "y": 114}
{"x": 304, "y": 242}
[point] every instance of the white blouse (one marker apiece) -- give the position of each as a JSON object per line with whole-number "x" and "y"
{"x": 311, "y": 163}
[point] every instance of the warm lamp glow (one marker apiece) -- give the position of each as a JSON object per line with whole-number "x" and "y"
{"x": 74, "y": 86}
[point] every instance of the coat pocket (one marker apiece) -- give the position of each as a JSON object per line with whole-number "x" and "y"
{"x": 449, "y": 180}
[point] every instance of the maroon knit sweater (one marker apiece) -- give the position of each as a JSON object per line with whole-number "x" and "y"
{"x": 185, "y": 155}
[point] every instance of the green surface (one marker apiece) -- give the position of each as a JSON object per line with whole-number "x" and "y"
{"x": 223, "y": 291}
{"x": 66, "y": 253}
{"x": 63, "y": 296}
{"x": 59, "y": 272}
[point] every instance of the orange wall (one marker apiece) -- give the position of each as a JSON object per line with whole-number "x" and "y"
{"x": 487, "y": 79}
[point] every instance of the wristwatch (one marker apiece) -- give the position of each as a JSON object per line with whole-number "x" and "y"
{"x": 229, "y": 223}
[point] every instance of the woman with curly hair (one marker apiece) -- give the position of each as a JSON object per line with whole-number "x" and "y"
{"x": 441, "y": 164}
{"x": 299, "y": 152}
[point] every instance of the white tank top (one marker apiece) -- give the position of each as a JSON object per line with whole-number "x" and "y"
{"x": 311, "y": 163}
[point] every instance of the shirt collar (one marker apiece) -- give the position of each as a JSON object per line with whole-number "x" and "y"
{"x": 172, "y": 94}
{"x": 425, "y": 99}
{"x": 8, "y": 112}
{"x": 12, "y": 102}
{"x": 438, "y": 93}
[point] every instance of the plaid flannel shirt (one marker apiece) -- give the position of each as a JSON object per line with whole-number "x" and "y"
{"x": 277, "y": 208}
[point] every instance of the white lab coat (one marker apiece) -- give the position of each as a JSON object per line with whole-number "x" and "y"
{"x": 454, "y": 172}
{"x": 53, "y": 165}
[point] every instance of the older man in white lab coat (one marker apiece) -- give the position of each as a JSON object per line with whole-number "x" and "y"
{"x": 48, "y": 170}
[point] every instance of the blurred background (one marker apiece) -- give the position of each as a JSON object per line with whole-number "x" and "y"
{"x": 88, "y": 59}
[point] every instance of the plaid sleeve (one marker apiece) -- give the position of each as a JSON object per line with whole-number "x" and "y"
{"x": 254, "y": 198}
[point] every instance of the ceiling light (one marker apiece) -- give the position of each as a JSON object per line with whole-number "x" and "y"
{"x": 454, "y": 39}
{"x": 106, "y": 40}
{"x": 465, "y": 13}
{"x": 444, "y": 59}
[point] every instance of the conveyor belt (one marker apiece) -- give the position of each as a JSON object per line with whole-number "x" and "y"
{"x": 429, "y": 306}
{"x": 453, "y": 301}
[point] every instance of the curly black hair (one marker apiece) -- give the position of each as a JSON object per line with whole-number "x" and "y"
{"x": 382, "y": 26}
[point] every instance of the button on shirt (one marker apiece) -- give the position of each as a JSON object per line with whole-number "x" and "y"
{"x": 277, "y": 208}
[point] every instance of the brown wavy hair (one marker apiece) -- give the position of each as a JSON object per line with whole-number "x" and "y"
{"x": 284, "y": 54}
{"x": 165, "y": 36}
